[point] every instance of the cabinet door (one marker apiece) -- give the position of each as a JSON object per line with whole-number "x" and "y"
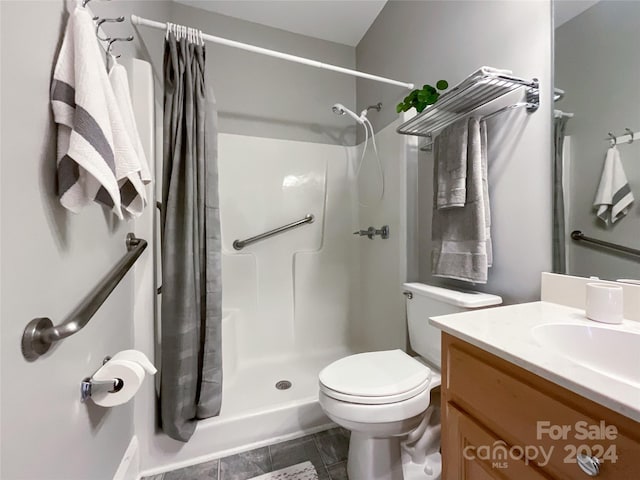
{"x": 511, "y": 403}
{"x": 471, "y": 452}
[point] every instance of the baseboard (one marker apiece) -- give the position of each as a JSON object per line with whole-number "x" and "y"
{"x": 129, "y": 468}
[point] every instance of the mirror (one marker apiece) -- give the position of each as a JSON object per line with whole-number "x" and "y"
{"x": 597, "y": 65}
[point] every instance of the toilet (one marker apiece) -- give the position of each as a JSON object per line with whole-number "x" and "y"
{"x": 387, "y": 399}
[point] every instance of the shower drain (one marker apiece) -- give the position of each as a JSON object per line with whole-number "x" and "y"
{"x": 283, "y": 385}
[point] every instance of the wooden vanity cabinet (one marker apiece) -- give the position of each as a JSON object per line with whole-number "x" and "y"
{"x": 500, "y": 421}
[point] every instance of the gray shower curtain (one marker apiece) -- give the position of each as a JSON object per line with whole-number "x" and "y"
{"x": 559, "y": 264}
{"x": 191, "y": 368}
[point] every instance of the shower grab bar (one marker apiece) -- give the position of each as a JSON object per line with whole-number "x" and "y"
{"x": 240, "y": 244}
{"x": 578, "y": 236}
{"x": 40, "y": 333}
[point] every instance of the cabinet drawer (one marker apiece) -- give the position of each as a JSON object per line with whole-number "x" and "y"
{"x": 473, "y": 461}
{"x": 527, "y": 411}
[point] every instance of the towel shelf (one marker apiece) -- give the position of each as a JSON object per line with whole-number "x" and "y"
{"x": 40, "y": 333}
{"x": 475, "y": 91}
{"x": 578, "y": 236}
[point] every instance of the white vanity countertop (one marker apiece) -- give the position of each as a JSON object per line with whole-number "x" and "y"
{"x": 507, "y": 333}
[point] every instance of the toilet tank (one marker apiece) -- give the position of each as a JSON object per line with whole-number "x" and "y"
{"x": 424, "y": 301}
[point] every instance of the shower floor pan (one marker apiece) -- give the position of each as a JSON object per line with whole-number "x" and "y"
{"x": 255, "y": 413}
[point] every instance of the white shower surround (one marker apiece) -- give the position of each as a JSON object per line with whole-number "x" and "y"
{"x": 296, "y": 302}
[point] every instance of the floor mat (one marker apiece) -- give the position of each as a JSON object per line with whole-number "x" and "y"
{"x": 301, "y": 471}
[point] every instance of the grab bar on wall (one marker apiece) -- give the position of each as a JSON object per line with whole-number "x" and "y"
{"x": 40, "y": 333}
{"x": 240, "y": 244}
{"x": 578, "y": 236}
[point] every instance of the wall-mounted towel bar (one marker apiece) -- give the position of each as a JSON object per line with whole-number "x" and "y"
{"x": 40, "y": 333}
{"x": 578, "y": 236}
{"x": 428, "y": 145}
{"x": 240, "y": 244}
{"x": 629, "y": 137}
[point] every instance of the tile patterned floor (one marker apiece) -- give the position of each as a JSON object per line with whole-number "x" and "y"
{"x": 327, "y": 451}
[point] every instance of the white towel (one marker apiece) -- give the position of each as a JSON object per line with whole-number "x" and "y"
{"x": 132, "y": 191}
{"x": 94, "y": 149}
{"x": 493, "y": 71}
{"x": 614, "y": 197}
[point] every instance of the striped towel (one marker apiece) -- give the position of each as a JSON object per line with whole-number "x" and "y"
{"x": 614, "y": 197}
{"x": 132, "y": 191}
{"x": 94, "y": 149}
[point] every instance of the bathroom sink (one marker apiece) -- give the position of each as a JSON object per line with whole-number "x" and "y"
{"x": 610, "y": 351}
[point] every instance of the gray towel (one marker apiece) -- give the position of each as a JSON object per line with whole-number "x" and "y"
{"x": 451, "y": 157}
{"x": 461, "y": 236}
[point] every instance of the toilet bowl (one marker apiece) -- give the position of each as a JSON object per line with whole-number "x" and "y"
{"x": 385, "y": 397}
{"x": 380, "y": 397}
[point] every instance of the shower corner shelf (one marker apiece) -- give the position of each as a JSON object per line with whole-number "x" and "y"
{"x": 480, "y": 88}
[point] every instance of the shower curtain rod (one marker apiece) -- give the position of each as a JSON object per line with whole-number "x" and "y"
{"x": 136, "y": 20}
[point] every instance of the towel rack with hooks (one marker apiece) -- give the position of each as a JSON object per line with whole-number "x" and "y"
{"x": 480, "y": 88}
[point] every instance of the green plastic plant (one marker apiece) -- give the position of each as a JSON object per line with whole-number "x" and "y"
{"x": 423, "y": 97}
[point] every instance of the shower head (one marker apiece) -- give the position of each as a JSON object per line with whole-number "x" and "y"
{"x": 340, "y": 109}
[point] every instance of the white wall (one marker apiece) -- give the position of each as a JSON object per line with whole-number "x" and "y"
{"x": 423, "y": 42}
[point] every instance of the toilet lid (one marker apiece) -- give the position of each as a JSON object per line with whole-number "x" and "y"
{"x": 375, "y": 377}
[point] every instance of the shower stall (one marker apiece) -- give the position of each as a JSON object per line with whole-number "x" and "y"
{"x": 295, "y": 301}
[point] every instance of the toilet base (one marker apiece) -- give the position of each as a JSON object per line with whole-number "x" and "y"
{"x": 374, "y": 458}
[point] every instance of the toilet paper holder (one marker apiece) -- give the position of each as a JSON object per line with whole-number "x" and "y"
{"x": 89, "y": 386}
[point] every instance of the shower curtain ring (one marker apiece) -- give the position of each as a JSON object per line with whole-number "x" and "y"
{"x": 631, "y": 134}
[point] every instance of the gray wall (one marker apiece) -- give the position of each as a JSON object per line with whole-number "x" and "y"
{"x": 597, "y": 63}
{"x": 257, "y": 95}
{"x": 268, "y": 97}
{"x": 422, "y": 42}
{"x": 50, "y": 260}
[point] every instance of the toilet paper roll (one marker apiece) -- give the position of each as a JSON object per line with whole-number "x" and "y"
{"x": 138, "y": 357}
{"x": 131, "y": 374}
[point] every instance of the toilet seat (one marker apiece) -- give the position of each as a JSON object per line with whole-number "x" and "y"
{"x": 381, "y": 400}
{"x": 375, "y": 378}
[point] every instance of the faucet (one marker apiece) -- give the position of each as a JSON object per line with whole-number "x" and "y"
{"x": 372, "y": 231}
